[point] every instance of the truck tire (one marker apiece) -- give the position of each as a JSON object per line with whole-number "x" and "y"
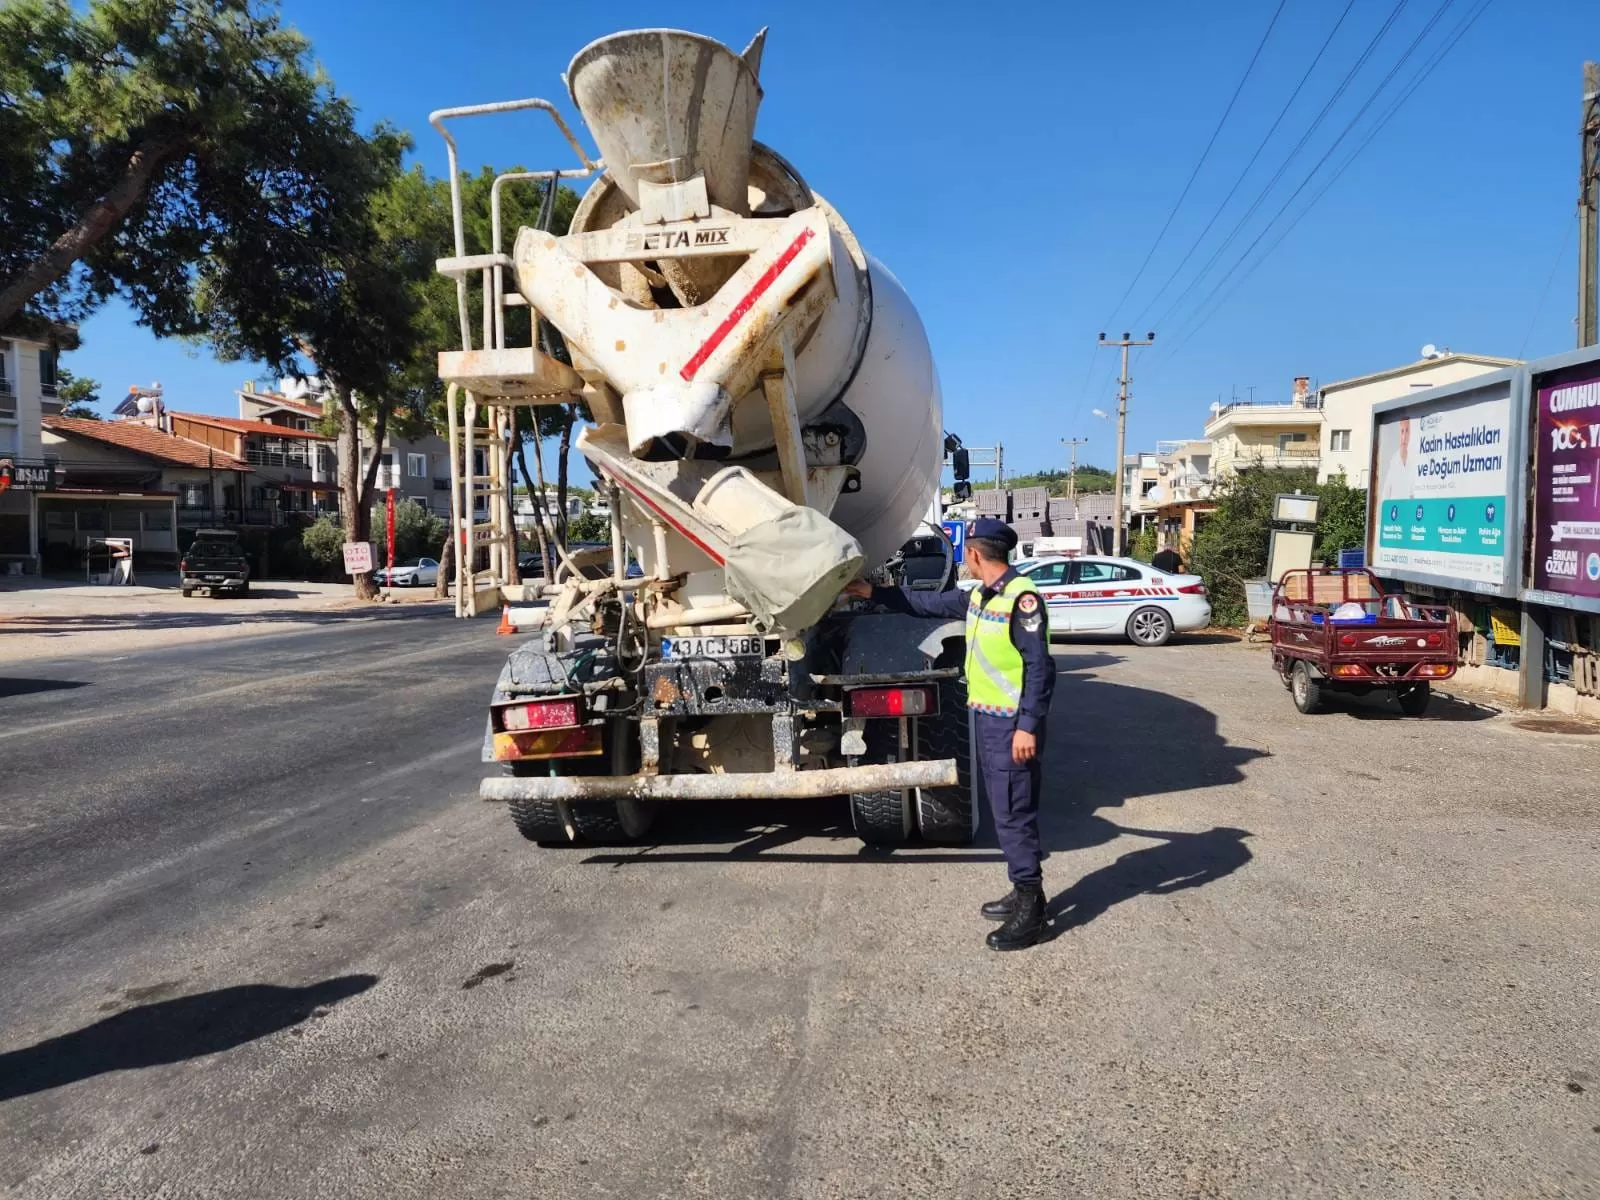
{"x": 883, "y": 818}
{"x": 187, "y": 592}
{"x": 540, "y": 821}
{"x": 609, "y": 822}
{"x": 946, "y": 815}
{"x": 1413, "y": 698}
{"x": 1304, "y": 687}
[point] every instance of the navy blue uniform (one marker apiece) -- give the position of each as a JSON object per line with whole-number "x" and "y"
{"x": 1013, "y": 787}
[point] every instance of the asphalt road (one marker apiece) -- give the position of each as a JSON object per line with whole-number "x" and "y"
{"x": 257, "y": 938}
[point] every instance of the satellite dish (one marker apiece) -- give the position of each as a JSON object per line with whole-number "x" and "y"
{"x": 1216, "y": 407}
{"x": 1430, "y": 351}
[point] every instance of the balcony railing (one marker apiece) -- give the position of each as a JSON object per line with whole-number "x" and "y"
{"x": 278, "y": 458}
{"x": 1250, "y": 457}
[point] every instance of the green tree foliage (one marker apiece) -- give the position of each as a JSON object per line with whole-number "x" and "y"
{"x": 1090, "y": 479}
{"x": 1144, "y": 544}
{"x": 78, "y": 396}
{"x": 1231, "y": 545}
{"x": 323, "y": 541}
{"x": 417, "y": 532}
{"x": 146, "y": 145}
{"x": 1342, "y": 524}
{"x": 589, "y": 528}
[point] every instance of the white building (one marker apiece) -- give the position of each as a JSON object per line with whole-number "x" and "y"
{"x": 1346, "y": 430}
{"x": 27, "y": 391}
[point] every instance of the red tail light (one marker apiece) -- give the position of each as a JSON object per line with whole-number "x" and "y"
{"x": 1434, "y": 639}
{"x": 542, "y": 714}
{"x": 1193, "y": 589}
{"x": 893, "y": 702}
{"x": 1348, "y": 639}
{"x": 183, "y": 564}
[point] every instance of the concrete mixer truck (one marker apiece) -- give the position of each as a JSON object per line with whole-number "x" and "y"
{"x": 766, "y": 425}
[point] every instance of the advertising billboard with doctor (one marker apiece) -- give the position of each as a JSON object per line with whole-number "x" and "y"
{"x": 1441, "y": 475}
{"x": 1566, "y": 484}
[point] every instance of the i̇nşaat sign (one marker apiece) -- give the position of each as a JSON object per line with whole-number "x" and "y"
{"x": 27, "y": 477}
{"x": 1566, "y": 486}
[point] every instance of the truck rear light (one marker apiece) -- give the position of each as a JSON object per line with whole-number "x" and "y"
{"x": 542, "y": 714}
{"x": 1349, "y": 669}
{"x": 1193, "y": 589}
{"x": 1348, "y": 639}
{"x": 892, "y": 702}
{"x": 1435, "y": 670}
{"x": 1435, "y": 640}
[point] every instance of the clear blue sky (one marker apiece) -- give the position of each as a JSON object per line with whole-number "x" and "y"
{"x": 1012, "y": 164}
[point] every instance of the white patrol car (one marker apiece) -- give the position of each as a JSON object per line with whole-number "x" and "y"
{"x": 1117, "y": 595}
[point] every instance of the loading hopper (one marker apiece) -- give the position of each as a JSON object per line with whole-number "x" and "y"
{"x": 664, "y": 105}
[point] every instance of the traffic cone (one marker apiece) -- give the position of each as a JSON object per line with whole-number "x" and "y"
{"x": 506, "y": 628}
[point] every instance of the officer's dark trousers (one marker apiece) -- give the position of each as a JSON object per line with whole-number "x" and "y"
{"x": 1013, "y": 791}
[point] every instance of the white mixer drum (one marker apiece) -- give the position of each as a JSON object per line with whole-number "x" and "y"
{"x": 896, "y": 394}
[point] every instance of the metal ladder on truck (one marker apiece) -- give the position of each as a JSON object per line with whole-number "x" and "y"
{"x": 486, "y": 382}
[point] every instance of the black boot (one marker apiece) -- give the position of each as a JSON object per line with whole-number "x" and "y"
{"x": 1001, "y": 909}
{"x": 1025, "y": 926}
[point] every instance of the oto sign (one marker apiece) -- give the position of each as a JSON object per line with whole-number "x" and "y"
{"x": 1444, "y": 469}
{"x": 1566, "y": 484}
{"x": 357, "y": 558}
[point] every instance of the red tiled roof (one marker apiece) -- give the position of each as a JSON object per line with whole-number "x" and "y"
{"x": 239, "y": 425}
{"x": 142, "y": 439}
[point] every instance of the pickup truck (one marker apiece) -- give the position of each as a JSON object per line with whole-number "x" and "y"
{"x": 216, "y": 562}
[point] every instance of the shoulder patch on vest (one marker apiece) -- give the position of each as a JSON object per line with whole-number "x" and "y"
{"x": 1028, "y": 601}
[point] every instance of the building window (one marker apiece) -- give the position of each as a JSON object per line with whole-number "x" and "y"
{"x": 1285, "y": 440}
{"x": 1339, "y": 439}
{"x": 417, "y": 466}
{"x": 192, "y": 495}
{"x": 47, "y": 372}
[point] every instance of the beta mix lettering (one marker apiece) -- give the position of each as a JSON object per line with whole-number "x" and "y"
{"x": 1566, "y": 485}
{"x": 1441, "y": 490}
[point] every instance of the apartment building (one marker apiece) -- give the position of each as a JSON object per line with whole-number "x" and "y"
{"x": 1250, "y": 434}
{"x": 1347, "y": 405}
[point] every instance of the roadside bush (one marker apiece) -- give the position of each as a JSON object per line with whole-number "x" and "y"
{"x": 323, "y": 544}
{"x": 1144, "y": 545}
{"x": 417, "y": 532}
{"x": 1231, "y": 547}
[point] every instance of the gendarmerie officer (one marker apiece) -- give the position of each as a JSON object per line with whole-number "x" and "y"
{"x": 1010, "y": 678}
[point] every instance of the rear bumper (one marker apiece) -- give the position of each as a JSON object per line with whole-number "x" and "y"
{"x": 834, "y": 781}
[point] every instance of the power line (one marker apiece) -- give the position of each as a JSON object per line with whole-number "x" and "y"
{"x": 1415, "y": 82}
{"x": 1204, "y": 154}
{"x": 1545, "y": 295}
{"x": 1327, "y": 154}
{"x": 1316, "y": 123}
{"x": 1237, "y": 183}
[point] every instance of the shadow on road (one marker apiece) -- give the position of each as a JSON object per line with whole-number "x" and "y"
{"x": 26, "y": 687}
{"x": 1380, "y": 706}
{"x": 1107, "y": 743}
{"x": 207, "y": 616}
{"x": 1183, "y": 860}
{"x": 169, "y": 1031}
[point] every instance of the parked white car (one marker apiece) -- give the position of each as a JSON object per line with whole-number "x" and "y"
{"x": 1117, "y": 595}
{"x": 1120, "y": 595}
{"x": 419, "y": 572}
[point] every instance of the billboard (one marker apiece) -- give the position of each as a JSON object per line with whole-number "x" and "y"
{"x": 1444, "y": 467}
{"x": 1566, "y": 484}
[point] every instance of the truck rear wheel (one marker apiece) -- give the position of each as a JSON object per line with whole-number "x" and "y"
{"x": 1305, "y": 689}
{"x": 594, "y": 822}
{"x": 1413, "y": 698}
{"x": 540, "y": 821}
{"x": 883, "y": 818}
{"x": 948, "y": 814}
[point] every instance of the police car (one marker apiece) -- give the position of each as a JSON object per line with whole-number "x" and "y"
{"x": 1118, "y": 595}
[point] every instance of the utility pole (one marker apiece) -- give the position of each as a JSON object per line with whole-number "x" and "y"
{"x": 1122, "y": 426}
{"x": 1588, "y": 205}
{"x": 1072, "y": 474}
